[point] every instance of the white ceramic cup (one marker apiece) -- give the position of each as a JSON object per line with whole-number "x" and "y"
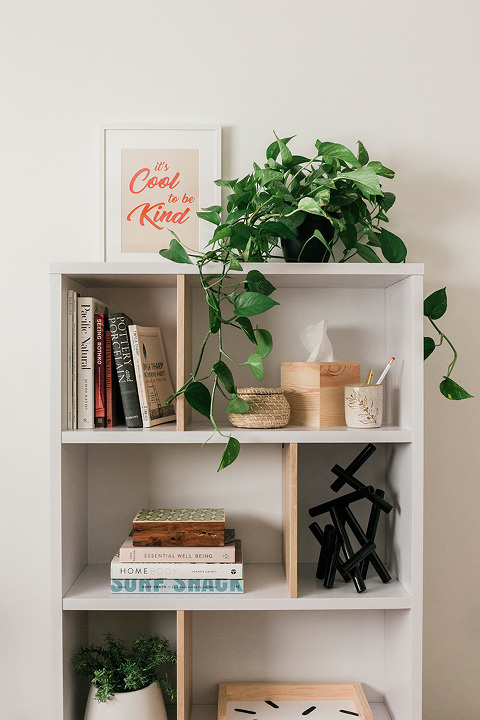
{"x": 363, "y": 406}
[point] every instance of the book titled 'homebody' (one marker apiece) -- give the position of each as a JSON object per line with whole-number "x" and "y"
{"x": 170, "y": 585}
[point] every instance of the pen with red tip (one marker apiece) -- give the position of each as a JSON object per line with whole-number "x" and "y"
{"x": 382, "y": 376}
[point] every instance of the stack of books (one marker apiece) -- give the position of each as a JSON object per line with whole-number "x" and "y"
{"x": 117, "y": 372}
{"x": 179, "y": 551}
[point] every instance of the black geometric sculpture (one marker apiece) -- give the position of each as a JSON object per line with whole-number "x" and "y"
{"x": 335, "y": 536}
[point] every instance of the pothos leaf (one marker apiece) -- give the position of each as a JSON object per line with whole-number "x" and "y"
{"x": 230, "y": 454}
{"x": 214, "y": 320}
{"x": 198, "y": 396}
{"x": 249, "y": 303}
{"x": 452, "y": 390}
{"x": 428, "y": 347}
{"x": 257, "y": 282}
{"x": 435, "y": 305}
{"x": 264, "y": 342}
{"x": 224, "y": 374}
{"x": 255, "y": 363}
{"x": 237, "y": 405}
{"x": 362, "y": 153}
{"x": 393, "y": 248}
{"x": 247, "y": 328}
{"x": 176, "y": 252}
{"x": 366, "y": 253}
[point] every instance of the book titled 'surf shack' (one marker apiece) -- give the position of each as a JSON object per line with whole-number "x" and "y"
{"x": 122, "y": 356}
{"x": 195, "y": 586}
{"x": 151, "y": 372}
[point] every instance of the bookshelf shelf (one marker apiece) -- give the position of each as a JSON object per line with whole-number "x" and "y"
{"x": 101, "y": 477}
{"x": 266, "y": 589}
{"x": 199, "y": 432}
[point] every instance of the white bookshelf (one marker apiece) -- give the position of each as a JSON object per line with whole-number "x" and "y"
{"x": 285, "y": 626}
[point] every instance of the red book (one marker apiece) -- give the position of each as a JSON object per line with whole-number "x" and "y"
{"x": 110, "y": 383}
{"x": 99, "y": 373}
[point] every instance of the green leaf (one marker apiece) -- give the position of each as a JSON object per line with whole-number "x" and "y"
{"x": 214, "y": 208}
{"x": 452, "y": 390}
{"x": 319, "y": 236}
{"x": 393, "y": 248}
{"x": 285, "y": 153}
{"x": 435, "y": 305}
{"x": 237, "y": 405}
{"x": 221, "y": 231}
{"x": 176, "y": 252}
{"x": 234, "y": 264}
{"x": 365, "y": 179}
{"x": 257, "y": 282}
{"x": 224, "y": 374}
{"x": 362, "y": 153}
{"x": 247, "y": 328}
{"x": 264, "y": 342}
{"x": 273, "y": 149}
{"x": 230, "y": 454}
{"x": 249, "y": 303}
{"x": 331, "y": 150}
{"x": 214, "y": 320}
{"x": 277, "y": 229}
{"x": 226, "y": 183}
{"x": 381, "y": 169}
{"x": 309, "y": 205}
{"x": 387, "y": 201}
{"x": 367, "y": 253}
{"x": 239, "y": 236}
{"x": 255, "y": 363}
{"x": 266, "y": 175}
{"x": 428, "y": 347}
{"x": 210, "y": 216}
{"x": 198, "y": 396}
{"x": 349, "y": 236}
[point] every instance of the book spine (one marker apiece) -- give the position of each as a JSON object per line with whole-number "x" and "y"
{"x": 110, "y": 381}
{"x": 100, "y": 404}
{"x": 225, "y": 554}
{"x": 70, "y": 303}
{"x": 169, "y": 571}
{"x": 123, "y": 360}
{"x": 137, "y": 363}
{"x": 85, "y": 363}
{"x": 75, "y": 361}
{"x": 186, "y": 586}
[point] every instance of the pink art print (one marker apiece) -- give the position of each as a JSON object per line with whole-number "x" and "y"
{"x": 160, "y": 191}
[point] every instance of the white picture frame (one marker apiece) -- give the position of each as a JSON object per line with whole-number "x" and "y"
{"x": 135, "y": 204}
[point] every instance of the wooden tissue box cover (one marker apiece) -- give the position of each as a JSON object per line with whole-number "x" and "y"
{"x": 203, "y": 527}
{"x": 315, "y": 391}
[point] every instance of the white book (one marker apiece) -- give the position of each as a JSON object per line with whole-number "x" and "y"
{"x": 130, "y": 553}
{"x": 185, "y": 571}
{"x": 151, "y": 373}
{"x": 71, "y": 359}
{"x": 87, "y": 307}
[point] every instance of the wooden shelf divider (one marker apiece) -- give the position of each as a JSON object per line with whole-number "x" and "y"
{"x": 184, "y": 664}
{"x": 184, "y": 347}
{"x": 289, "y": 500}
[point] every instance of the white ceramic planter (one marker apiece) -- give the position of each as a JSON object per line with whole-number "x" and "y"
{"x": 145, "y": 704}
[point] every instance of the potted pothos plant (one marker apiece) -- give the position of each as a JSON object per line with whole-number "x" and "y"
{"x": 126, "y": 681}
{"x": 333, "y": 202}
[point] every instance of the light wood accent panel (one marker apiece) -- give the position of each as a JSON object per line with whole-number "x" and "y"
{"x": 289, "y": 510}
{"x": 184, "y": 347}
{"x": 184, "y": 664}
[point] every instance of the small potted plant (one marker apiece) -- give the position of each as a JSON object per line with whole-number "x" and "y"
{"x": 126, "y": 682}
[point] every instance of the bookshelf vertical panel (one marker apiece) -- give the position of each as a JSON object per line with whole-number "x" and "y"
{"x": 289, "y": 512}
{"x": 184, "y": 347}
{"x": 184, "y": 664}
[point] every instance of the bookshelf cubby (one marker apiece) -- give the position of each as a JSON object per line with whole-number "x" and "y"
{"x": 286, "y": 626}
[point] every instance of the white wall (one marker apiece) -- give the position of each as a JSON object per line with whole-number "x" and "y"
{"x": 400, "y": 76}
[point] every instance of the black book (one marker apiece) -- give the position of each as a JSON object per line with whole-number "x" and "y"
{"x": 123, "y": 359}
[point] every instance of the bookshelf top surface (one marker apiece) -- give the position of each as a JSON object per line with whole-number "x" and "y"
{"x": 149, "y": 274}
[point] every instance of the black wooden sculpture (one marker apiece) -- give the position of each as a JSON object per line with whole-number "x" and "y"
{"x": 335, "y": 536}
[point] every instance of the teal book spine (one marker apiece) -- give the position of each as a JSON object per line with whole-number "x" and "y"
{"x": 194, "y": 586}
{"x": 123, "y": 359}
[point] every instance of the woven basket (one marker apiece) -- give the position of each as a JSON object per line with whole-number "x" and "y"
{"x": 269, "y": 408}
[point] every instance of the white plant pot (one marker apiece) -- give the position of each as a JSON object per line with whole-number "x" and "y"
{"x": 145, "y": 704}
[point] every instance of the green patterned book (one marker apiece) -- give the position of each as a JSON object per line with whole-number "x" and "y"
{"x": 188, "y": 527}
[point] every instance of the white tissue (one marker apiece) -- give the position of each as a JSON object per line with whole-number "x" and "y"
{"x": 315, "y": 340}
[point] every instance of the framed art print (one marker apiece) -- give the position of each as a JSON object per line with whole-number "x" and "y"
{"x": 156, "y": 179}
{"x": 292, "y": 701}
